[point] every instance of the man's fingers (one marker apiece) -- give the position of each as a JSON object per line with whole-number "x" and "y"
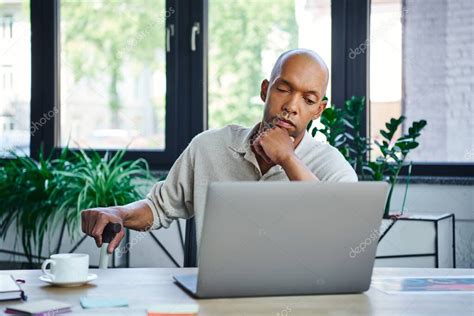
{"x": 116, "y": 241}
{"x": 98, "y": 229}
{"x": 98, "y": 240}
{"x": 83, "y": 222}
{"x": 90, "y": 223}
{"x": 259, "y": 149}
{"x": 261, "y": 152}
{"x": 286, "y": 131}
{"x": 264, "y": 155}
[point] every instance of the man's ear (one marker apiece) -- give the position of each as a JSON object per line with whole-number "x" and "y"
{"x": 322, "y": 106}
{"x": 264, "y": 90}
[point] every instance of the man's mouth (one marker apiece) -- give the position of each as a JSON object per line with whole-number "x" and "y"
{"x": 284, "y": 123}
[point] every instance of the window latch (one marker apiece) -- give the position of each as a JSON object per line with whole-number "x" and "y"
{"x": 195, "y": 30}
{"x": 169, "y": 33}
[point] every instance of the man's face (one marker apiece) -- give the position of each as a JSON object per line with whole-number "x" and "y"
{"x": 295, "y": 96}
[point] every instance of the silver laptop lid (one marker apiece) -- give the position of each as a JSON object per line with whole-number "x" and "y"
{"x": 283, "y": 238}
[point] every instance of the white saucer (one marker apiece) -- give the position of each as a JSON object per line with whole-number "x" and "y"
{"x": 47, "y": 279}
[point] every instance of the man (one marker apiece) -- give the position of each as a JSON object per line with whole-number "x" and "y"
{"x": 276, "y": 149}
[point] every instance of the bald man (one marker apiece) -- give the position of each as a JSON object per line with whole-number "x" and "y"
{"x": 276, "y": 149}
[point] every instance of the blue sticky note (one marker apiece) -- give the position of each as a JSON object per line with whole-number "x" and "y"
{"x": 103, "y": 302}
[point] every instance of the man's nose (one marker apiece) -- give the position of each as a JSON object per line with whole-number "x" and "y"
{"x": 292, "y": 105}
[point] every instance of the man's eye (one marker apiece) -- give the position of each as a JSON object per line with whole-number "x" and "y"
{"x": 309, "y": 101}
{"x": 282, "y": 90}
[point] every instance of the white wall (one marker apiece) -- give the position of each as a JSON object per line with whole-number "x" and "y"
{"x": 433, "y": 198}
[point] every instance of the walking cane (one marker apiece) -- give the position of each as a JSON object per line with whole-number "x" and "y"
{"x": 110, "y": 230}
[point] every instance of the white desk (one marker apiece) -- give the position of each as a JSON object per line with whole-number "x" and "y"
{"x": 145, "y": 287}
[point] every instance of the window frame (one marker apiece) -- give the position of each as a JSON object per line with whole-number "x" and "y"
{"x": 182, "y": 112}
{"x": 186, "y": 109}
{"x": 350, "y": 27}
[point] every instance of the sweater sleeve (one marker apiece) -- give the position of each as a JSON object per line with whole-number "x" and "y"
{"x": 173, "y": 198}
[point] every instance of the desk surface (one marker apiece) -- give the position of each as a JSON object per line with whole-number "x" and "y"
{"x": 151, "y": 286}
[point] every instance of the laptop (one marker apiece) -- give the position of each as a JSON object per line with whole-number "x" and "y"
{"x": 287, "y": 238}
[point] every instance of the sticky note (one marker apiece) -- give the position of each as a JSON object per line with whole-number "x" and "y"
{"x": 174, "y": 310}
{"x": 103, "y": 302}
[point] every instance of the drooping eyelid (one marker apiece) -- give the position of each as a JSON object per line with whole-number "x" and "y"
{"x": 283, "y": 86}
{"x": 309, "y": 101}
{"x": 315, "y": 100}
{"x": 315, "y": 95}
{"x": 281, "y": 83}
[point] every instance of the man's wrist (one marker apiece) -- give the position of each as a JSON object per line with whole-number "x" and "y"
{"x": 288, "y": 160}
{"x": 122, "y": 213}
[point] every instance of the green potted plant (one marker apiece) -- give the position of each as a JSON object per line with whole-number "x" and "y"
{"x": 342, "y": 126}
{"x": 413, "y": 234}
{"x": 26, "y": 187}
{"x": 44, "y": 196}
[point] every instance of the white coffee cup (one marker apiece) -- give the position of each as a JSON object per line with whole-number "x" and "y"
{"x": 67, "y": 267}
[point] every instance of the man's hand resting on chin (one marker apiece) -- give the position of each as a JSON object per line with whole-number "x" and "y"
{"x": 277, "y": 147}
{"x": 274, "y": 145}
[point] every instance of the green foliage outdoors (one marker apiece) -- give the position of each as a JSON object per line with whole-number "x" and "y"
{"x": 100, "y": 39}
{"x": 239, "y": 32}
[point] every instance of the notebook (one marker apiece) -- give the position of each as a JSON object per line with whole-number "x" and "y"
{"x": 9, "y": 289}
{"x": 39, "y": 308}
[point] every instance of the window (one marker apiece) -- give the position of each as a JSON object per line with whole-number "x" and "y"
{"x": 7, "y": 24}
{"x": 430, "y": 42}
{"x": 245, "y": 38}
{"x": 7, "y": 77}
{"x": 385, "y": 77}
{"x": 151, "y": 74}
{"x": 113, "y": 74}
{"x": 15, "y": 74}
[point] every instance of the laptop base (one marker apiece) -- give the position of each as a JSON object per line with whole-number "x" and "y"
{"x": 187, "y": 282}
